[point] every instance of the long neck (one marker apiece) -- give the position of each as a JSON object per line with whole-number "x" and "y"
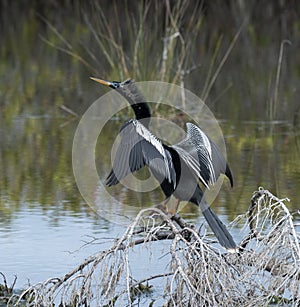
{"x": 142, "y": 112}
{"x": 137, "y": 101}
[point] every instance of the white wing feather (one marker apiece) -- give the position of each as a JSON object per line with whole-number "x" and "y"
{"x": 202, "y": 143}
{"x": 152, "y": 139}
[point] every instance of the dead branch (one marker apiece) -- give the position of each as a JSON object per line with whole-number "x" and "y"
{"x": 264, "y": 270}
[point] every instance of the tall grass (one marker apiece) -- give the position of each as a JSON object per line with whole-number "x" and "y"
{"x": 273, "y": 106}
{"x": 156, "y": 40}
{"x": 200, "y": 45}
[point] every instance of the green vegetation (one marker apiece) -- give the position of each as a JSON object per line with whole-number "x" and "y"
{"x": 242, "y": 57}
{"x": 228, "y": 53}
{"x": 46, "y": 62}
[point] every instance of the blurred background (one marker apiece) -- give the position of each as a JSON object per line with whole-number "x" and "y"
{"x": 241, "y": 57}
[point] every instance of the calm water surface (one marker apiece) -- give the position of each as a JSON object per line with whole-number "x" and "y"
{"x": 44, "y": 222}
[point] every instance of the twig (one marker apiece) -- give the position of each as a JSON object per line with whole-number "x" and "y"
{"x": 224, "y": 59}
{"x": 68, "y": 110}
{"x": 279, "y": 65}
{"x": 201, "y": 275}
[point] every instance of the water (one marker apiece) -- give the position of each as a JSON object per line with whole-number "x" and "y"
{"x": 44, "y": 221}
{"x": 37, "y": 245}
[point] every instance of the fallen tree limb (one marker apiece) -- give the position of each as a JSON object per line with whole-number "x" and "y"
{"x": 265, "y": 269}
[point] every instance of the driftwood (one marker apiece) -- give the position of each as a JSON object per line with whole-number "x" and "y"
{"x": 264, "y": 270}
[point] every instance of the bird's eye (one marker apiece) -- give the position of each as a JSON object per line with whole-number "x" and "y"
{"x": 116, "y": 84}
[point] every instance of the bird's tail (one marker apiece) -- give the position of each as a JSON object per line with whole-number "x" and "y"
{"x": 219, "y": 229}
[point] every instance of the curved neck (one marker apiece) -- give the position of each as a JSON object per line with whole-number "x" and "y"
{"x": 137, "y": 101}
{"x": 142, "y": 112}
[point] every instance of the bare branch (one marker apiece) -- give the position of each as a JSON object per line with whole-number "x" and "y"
{"x": 198, "y": 272}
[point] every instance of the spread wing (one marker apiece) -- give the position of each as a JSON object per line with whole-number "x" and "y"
{"x": 139, "y": 147}
{"x": 211, "y": 162}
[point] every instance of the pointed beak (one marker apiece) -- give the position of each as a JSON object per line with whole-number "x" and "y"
{"x": 107, "y": 83}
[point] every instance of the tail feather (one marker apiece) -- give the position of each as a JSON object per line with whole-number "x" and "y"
{"x": 219, "y": 229}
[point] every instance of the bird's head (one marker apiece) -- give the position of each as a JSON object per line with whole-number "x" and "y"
{"x": 133, "y": 96}
{"x": 114, "y": 84}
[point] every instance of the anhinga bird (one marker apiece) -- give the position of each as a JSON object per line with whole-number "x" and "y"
{"x": 178, "y": 168}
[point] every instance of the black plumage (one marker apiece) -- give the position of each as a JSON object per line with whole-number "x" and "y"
{"x": 178, "y": 168}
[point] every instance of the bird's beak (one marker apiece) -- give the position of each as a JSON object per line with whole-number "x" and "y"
{"x": 107, "y": 83}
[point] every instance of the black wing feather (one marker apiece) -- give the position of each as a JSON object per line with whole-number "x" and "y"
{"x": 138, "y": 148}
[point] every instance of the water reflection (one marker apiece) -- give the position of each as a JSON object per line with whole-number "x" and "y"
{"x": 40, "y": 204}
{"x": 38, "y": 243}
{"x": 265, "y": 154}
{"x": 36, "y": 165}
{"x": 36, "y": 161}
